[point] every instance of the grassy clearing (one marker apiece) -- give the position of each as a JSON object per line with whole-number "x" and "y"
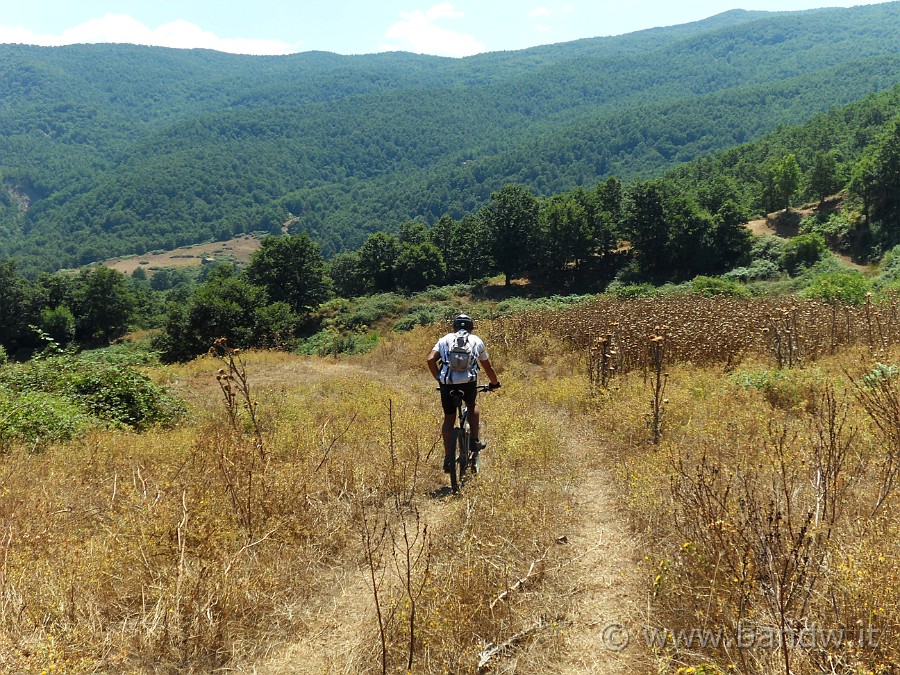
{"x": 205, "y": 545}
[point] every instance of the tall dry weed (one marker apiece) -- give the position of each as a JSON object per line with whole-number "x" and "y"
{"x": 756, "y": 518}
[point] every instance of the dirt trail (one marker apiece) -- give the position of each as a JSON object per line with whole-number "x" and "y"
{"x": 787, "y": 225}
{"x": 599, "y": 600}
{"x": 333, "y": 645}
{"x": 602, "y": 581}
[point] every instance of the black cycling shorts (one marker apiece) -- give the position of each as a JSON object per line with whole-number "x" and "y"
{"x": 469, "y": 390}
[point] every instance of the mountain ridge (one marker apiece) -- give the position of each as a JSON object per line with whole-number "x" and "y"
{"x": 124, "y": 148}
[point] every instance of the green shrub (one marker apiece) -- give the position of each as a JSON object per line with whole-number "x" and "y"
{"x": 442, "y": 293}
{"x": 882, "y": 372}
{"x": 424, "y": 315}
{"x": 322, "y": 343}
{"x": 438, "y": 310}
{"x": 37, "y": 417}
{"x": 330, "y": 342}
{"x": 132, "y": 354}
{"x": 767, "y": 248}
{"x": 366, "y": 310}
{"x": 113, "y": 393}
{"x": 835, "y": 227}
{"x": 783, "y": 389}
{"x": 889, "y": 270}
{"x": 803, "y": 251}
{"x": 711, "y": 286}
{"x": 407, "y": 323}
{"x": 630, "y": 291}
{"x": 759, "y": 270}
{"x": 3, "y": 357}
{"x": 518, "y": 305}
{"x": 839, "y": 287}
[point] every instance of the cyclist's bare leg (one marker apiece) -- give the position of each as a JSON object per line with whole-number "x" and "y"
{"x": 474, "y": 418}
{"x": 447, "y": 434}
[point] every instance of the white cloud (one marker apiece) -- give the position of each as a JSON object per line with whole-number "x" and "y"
{"x": 418, "y": 32}
{"x": 540, "y": 11}
{"x": 121, "y": 28}
{"x": 444, "y": 11}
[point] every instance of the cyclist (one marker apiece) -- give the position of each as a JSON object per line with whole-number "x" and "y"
{"x": 454, "y": 363}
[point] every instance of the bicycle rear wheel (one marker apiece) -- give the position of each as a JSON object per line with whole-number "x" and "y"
{"x": 453, "y": 464}
{"x": 463, "y": 450}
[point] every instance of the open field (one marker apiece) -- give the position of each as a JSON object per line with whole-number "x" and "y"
{"x": 643, "y": 489}
{"x": 238, "y": 248}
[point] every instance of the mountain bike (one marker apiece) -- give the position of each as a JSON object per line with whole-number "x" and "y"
{"x": 466, "y": 456}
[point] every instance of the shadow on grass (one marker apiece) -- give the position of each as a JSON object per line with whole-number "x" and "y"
{"x": 593, "y": 276}
{"x": 441, "y": 493}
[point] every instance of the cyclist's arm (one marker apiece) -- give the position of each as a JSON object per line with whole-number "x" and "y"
{"x": 432, "y": 362}
{"x": 489, "y": 371}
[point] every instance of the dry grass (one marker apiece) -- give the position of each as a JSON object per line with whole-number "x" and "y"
{"x": 764, "y": 484}
{"x": 206, "y": 546}
{"x": 239, "y": 248}
{"x": 764, "y": 518}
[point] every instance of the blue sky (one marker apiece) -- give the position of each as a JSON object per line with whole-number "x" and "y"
{"x": 457, "y": 28}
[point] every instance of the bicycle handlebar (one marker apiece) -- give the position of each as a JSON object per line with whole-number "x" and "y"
{"x": 481, "y": 387}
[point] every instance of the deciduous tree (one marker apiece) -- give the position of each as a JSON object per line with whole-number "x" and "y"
{"x": 103, "y": 305}
{"x": 510, "y": 222}
{"x": 292, "y": 270}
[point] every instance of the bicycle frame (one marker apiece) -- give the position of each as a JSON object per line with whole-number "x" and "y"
{"x": 463, "y": 456}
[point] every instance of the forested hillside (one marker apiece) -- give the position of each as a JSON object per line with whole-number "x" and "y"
{"x": 684, "y": 231}
{"x": 108, "y": 150}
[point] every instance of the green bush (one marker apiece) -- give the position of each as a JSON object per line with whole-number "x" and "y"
{"x": 711, "y": 286}
{"x": 767, "y": 248}
{"x": 441, "y": 293}
{"x": 839, "y": 287}
{"x": 3, "y": 357}
{"x": 783, "y": 389}
{"x": 519, "y": 305}
{"x": 368, "y": 309}
{"x": 890, "y": 267}
{"x": 880, "y": 373}
{"x": 835, "y": 227}
{"x": 112, "y": 393}
{"x": 134, "y": 354}
{"x": 630, "y": 291}
{"x": 424, "y": 315}
{"x": 759, "y": 270}
{"x": 803, "y": 251}
{"x": 321, "y": 343}
{"x": 407, "y": 323}
{"x": 37, "y": 417}
{"x": 330, "y": 342}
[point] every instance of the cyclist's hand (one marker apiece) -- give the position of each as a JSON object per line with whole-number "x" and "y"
{"x": 492, "y": 386}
